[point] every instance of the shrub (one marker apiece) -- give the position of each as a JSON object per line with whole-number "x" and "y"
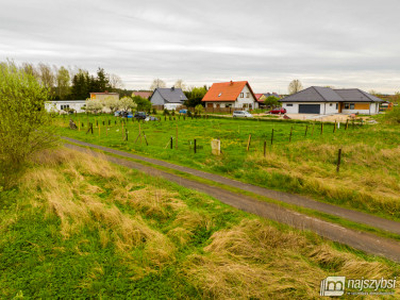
{"x": 25, "y": 126}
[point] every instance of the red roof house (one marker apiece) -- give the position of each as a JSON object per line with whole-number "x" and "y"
{"x": 232, "y": 94}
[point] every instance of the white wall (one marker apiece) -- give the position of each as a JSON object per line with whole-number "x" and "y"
{"x": 73, "y": 104}
{"x": 326, "y": 108}
{"x": 240, "y": 101}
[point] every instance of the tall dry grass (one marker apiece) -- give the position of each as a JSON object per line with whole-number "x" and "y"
{"x": 369, "y": 177}
{"x": 152, "y": 227}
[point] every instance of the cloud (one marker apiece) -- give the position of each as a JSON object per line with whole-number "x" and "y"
{"x": 269, "y": 43}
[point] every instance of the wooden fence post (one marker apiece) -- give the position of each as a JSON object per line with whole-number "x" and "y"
{"x": 322, "y": 128}
{"x": 248, "y": 143}
{"x": 172, "y": 142}
{"x": 334, "y": 127}
{"x": 194, "y": 147}
{"x": 291, "y": 133}
{"x": 265, "y": 148}
{"x": 272, "y": 137}
{"x": 339, "y": 160}
{"x": 305, "y": 134}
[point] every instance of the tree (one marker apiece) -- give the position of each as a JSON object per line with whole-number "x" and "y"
{"x": 47, "y": 77}
{"x": 157, "y": 83}
{"x": 199, "y": 109}
{"x": 93, "y": 106}
{"x": 115, "y": 82}
{"x": 111, "y": 103}
{"x": 102, "y": 81}
{"x": 63, "y": 83}
{"x": 80, "y": 85}
{"x": 142, "y": 103}
{"x": 195, "y": 95}
{"x": 271, "y": 102}
{"x": 126, "y": 103}
{"x": 25, "y": 126}
{"x": 180, "y": 85}
{"x": 295, "y": 86}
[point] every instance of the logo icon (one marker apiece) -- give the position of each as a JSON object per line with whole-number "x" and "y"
{"x": 333, "y": 286}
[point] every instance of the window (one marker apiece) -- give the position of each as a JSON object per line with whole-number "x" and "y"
{"x": 337, "y": 105}
{"x": 245, "y": 105}
{"x": 330, "y": 104}
{"x": 349, "y": 106}
{"x": 289, "y": 104}
{"x": 247, "y": 95}
{"x": 219, "y": 94}
{"x": 229, "y": 105}
{"x": 64, "y": 107}
{"x": 241, "y": 95}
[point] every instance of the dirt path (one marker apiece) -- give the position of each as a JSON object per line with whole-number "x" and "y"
{"x": 352, "y": 215}
{"x": 359, "y": 240}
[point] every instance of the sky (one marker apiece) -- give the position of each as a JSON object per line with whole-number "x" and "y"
{"x": 341, "y": 43}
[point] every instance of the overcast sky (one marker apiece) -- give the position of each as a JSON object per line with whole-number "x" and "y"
{"x": 341, "y": 43}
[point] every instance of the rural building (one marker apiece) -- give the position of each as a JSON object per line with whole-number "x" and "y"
{"x": 102, "y": 95}
{"x": 325, "y": 101}
{"x": 261, "y": 98}
{"x": 169, "y": 98}
{"x": 64, "y": 105}
{"x": 145, "y": 95}
{"x": 230, "y": 95}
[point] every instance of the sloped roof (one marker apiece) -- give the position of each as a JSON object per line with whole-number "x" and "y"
{"x": 326, "y": 94}
{"x": 357, "y": 95}
{"x": 226, "y": 91}
{"x": 142, "y": 94}
{"x": 172, "y": 95}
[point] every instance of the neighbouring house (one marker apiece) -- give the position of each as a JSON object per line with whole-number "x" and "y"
{"x": 145, "y": 95}
{"x": 261, "y": 97}
{"x": 65, "y": 105}
{"x": 102, "y": 95}
{"x": 169, "y": 98}
{"x": 325, "y": 101}
{"x": 230, "y": 94}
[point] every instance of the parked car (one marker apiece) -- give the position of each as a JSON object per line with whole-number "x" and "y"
{"x": 241, "y": 114}
{"x": 117, "y": 114}
{"x": 140, "y": 115}
{"x": 278, "y": 110}
{"x": 183, "y": 111}
{"x": 151, "y": 118}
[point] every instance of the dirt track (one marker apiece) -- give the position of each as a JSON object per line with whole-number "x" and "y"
{"x": 367, "y": 242}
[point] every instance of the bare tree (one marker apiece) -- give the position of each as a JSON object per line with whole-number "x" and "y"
{"x": 180, "y": 85}
{"x": 63, "y": 82}
{"x": 115, "y": 81}
{"x": 157, "y": 83}
{"x": 295, "y": 86}
{"x": 47, "y": 77}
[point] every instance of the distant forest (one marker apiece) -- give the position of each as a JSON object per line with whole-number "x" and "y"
{"x": 73, "y": 83}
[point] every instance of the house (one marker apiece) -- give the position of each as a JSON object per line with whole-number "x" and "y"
{"x": 231, "y": 94}
{"x": 261, "y": 97}
{"x": 325, "y": 101}
{"x": 169, "y": 98}
{"x": 102, "y": 95}
{"x": 145, "y": 95}
{"x": 64, "y": 105}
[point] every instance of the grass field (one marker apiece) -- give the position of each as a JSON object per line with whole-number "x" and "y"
{"x": 79, "y": 227}
{"x": 301, "y": 159}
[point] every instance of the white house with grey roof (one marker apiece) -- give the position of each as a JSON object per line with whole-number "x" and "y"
{"x": 326, "y": 101}
{"x": 170, "y": 98}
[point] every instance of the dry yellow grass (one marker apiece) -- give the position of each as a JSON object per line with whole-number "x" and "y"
{"x": 252, "y": 259}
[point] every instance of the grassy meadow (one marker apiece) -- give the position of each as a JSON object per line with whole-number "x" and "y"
{"x": 79, "y": 227}
{"x": 302, "y": 158}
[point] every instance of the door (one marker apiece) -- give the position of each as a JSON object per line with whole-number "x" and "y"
{"x": 309, "y": 108}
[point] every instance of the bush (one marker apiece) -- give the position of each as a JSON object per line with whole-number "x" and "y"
{"x": 166, "y": 112}
{"x": 154, "y": 111}
{"x": 393, "y": 116}
{"x": 25, "y": 126}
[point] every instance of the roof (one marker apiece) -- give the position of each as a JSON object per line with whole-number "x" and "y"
{"x": 266, "y": 95}
{"x": 142, "y": 94}
{"x": 172, "y": 95}
{"x": 357, "y": 95}
{"x": 104, "y": 93}
{"x": 226, "y": 91}
{"x": 326, "y": 94}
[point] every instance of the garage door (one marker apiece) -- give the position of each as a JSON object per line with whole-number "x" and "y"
{"x": 309, "y": 108}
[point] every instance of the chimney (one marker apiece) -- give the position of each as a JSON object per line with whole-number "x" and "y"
{"x": 231, "y": 82}
{"x": 173, "y": 88}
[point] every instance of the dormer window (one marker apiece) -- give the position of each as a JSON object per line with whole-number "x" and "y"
{"x": 241, "y": 95}
{"x": 219, "y": 94}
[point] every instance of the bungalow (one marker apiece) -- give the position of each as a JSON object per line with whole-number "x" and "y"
{"x": 325, "y": 100}
{"x": 63, "y": 105}
{"x": 170, "y": 98}
{"x": 230, "y": 94}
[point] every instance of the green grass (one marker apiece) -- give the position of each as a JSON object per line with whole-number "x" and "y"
{"x": 79, "y": 227}
{"x": 368, "y": 180}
